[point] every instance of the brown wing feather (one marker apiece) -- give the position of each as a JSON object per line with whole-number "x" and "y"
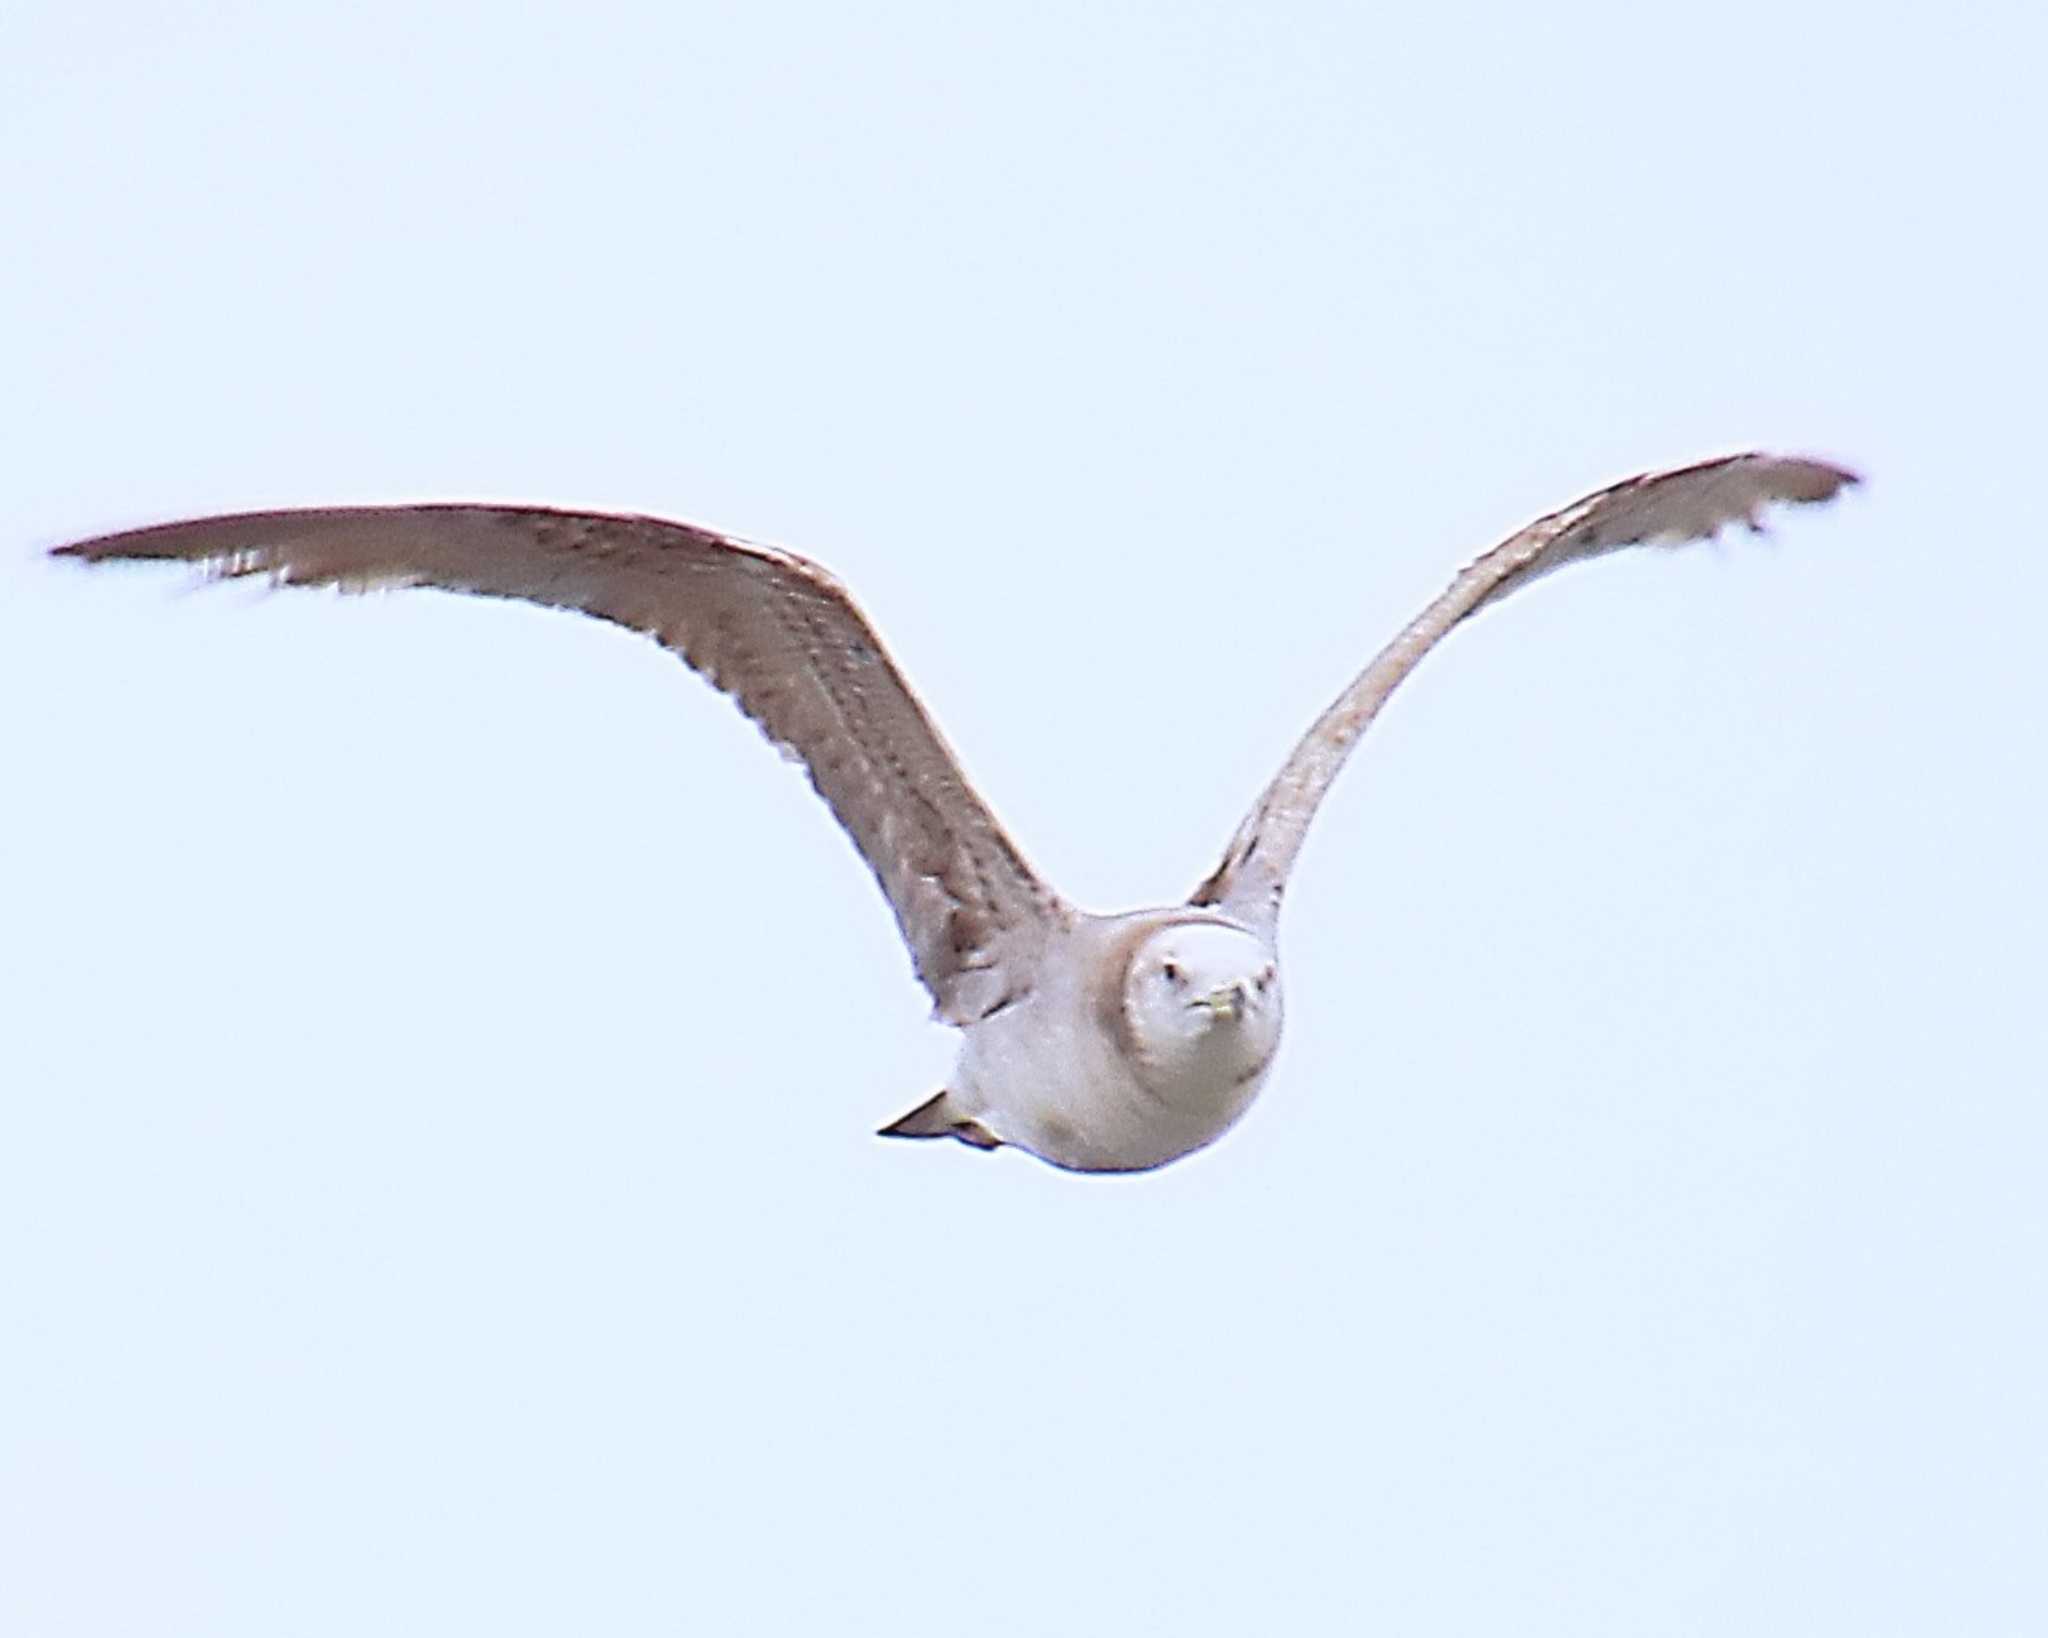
{"x": 1684, "y": 504}
{"x": 773, "y": 630}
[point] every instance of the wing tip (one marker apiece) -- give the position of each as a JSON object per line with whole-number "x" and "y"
{"x": 133, "y": 545}
{"x": 1805, "y": 480}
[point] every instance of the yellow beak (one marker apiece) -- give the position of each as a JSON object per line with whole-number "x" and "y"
{"x": 1227, "y": 1002}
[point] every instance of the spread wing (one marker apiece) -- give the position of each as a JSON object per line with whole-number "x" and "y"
{"x": 775, "y": 631}
{"x": 1667, "y": 508}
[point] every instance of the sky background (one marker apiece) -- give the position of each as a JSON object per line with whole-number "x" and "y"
{"x": 440, "y": 1045}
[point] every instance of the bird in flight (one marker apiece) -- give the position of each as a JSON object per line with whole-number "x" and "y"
{"x": 1100, "y": 1043}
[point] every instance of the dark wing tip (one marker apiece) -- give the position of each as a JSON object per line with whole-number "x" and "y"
{"x": 156, "y": 541}
{"x": 1806, "y": 479}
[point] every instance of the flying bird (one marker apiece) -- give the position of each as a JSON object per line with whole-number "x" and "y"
{"x": 1100, "y": 1043}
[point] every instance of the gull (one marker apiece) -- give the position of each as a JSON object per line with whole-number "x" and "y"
{"x": 1099, "y": 1043}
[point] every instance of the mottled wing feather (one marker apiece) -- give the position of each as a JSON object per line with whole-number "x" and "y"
{"x": 773, "y": 630}
{"x": 1669, "y": 508}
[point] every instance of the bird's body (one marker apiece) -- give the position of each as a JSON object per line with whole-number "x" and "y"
{"x": 1099, "y": 1043}
{"x": 1089, "y": 1072}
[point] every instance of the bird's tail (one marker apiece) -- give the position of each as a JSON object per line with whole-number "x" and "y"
{"x": 938, "y": 1117}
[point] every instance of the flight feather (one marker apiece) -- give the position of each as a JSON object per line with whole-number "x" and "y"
{"x": 774, "y": 630}
{"x": 1671, "y": 508}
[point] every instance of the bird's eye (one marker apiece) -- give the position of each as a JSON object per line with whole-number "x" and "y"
{"x": 1171, "y": 972}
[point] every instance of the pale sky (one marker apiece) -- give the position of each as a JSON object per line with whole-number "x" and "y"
{"x": 440, "y": 1044}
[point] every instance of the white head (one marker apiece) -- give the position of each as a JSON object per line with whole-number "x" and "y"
{"x": 1201, "y": 1008}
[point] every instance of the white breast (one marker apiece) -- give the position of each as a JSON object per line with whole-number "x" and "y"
{"x": 1050, "y": 1074}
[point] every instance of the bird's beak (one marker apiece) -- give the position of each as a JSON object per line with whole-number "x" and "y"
{"x": 1228, "y": 1001}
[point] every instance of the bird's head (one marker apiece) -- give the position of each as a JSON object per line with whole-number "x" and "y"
{"x": 1201, "y": 1003}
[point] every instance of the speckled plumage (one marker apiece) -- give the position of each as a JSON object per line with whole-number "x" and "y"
{"x": 1100, "y": 1043}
